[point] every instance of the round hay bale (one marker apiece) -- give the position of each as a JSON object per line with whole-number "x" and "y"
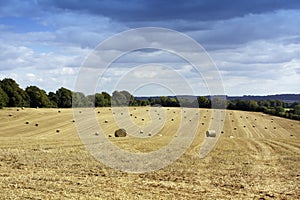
{"x": 291, "y": 135}
{"x": 17, "y": 109}
{"x": 36, "y": 124}
{"x": 97, "y": 133}
{"x": 10, "y": 115}
{"x": 22, "y": 108}
{"x": 134, "y": 108}
{"x": 149, "y": 134}
{"x": 159, "y": 118}
{"x": 143, "y": 119}
{"x": 184, "y": 117}
{"x": 120, "y": 133}
{"x": 190, "y": 120}
{"x": 292, "y": 124}
{"x": 73, "y": 120}
{"x": 255, "y": 119}
{"x": 202, "y": 123}
{"x": 172, "y": 119}
{"x": 231, "y": 136}
{"x": 234, "y": 128}
{"x": 204, "y": 116}
{"x": 121, "y": 113}
{"x": 232, "y": 120}
{"x": 174, "y": 112}
{"x": 57, "y": 131}
{"x": 266, "y": 127}
{"x": 106, "y": 121}
{"x": 222, "y": 132}
{"x": 141, "y": 131}
{"x": 253, "y": 126}
{"x": 98, "y": 112}
{"x": 59, "y": 111}
{"x": 274, "y": 127}
{"x": 211, "y": 133}
{"x": 109, "y": 135}
{"x": 130, "y": 114}
{"x": 244, "y": 126}
{"x": 27, "y": 122}
{"x": 135, "y": 117}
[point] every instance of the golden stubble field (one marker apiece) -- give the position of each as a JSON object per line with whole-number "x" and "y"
{"x": 42, "y": 157}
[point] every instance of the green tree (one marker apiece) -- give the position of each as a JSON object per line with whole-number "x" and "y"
{"x": 119, "y": 99}
{"x": 80, "y": 100}
{"x": 3, "y": 98}
{"x": 64, "y": 98}
{"x": 38, "y": 97}
{"x": 204, "y": 102}
{"x": 16, "y": 95}
{"x": 297, "y": 109}
{"x": 53, "y": 99}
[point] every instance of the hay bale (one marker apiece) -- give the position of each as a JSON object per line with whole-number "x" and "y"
{"x": 59, "y": 111}
{"x": 57, "y": 131}
{"x": 98, "y": 112}
{"x": 27, "y": 122}
{"x": 211, "y": 133}
{"x": 106, "y": 121}
{"x": 244, "y": 126}
{"x": 17, "y": 109}
{"x": 109, "y": 135}
{"x": 10, "y": 115}
{"x": 266, "y": 127}
{"x": 143, "y": 119}
{"x": 202, "y": 123}
{"x": 253, "y": 126}
{"x": 135, "y": 117}
{"x": 172, "y": 119}
{"x": 22, "y": 108}
{"x": 274, "y": 127}
{"x": 232, "y": 120}
{"x": 141, "y": 131}
{"x": 120, "y": 133}
{"x": 97, "y": 133}
{"x": 73, "y": 120}
{"x": 149, "y": 134}
{"x": 130, "y": 114}
{"x": 231, "y": 136}
{"x": 204, "y": 116}
{"x": 234, "y": 128}
{"x": 36, "y": 124}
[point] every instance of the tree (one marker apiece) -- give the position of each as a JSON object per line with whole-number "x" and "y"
{"x": 204, "y": 102}
{"x": 16, "y": 95}
{"x": 80, "y": 100}
{"x": 297, "y": 110}
{"x": 64, "y": 98}
{"x": 38, "y": 97}
{"x": 3, "y": 98}
{"x": 53, "y": 99}
{"x": 119, "y": 99}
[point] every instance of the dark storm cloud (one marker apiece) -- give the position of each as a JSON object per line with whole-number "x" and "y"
{"x": 158, "y": 10}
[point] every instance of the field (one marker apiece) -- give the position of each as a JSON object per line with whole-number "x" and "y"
{"x": 42, "y": 157}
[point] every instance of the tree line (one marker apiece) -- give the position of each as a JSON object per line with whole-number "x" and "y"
{"x": 11, "y": 95}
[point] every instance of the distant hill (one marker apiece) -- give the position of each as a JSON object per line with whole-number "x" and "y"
{"x": 288, "y": 98}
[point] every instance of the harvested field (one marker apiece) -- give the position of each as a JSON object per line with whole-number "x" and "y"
{"x": 254, "y": 161}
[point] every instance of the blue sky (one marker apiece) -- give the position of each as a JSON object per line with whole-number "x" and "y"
{"x": 254, "y": 44}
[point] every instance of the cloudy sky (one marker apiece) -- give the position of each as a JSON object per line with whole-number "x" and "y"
{"x": 255, "y": 45}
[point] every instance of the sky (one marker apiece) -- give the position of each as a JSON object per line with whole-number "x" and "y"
{"x": 255, "y": 45}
